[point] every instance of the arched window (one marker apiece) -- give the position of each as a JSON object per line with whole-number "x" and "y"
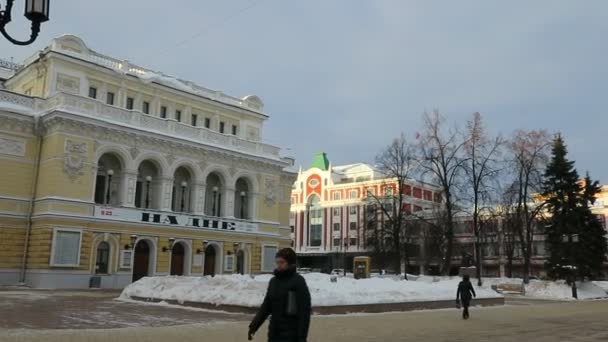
{"x": 102, "y": 262}
{"x": 147, "y": 188}
{"x": 241, "y": 201}
{"x": 182, "y": 185}
{"x": 108, "y": 180}
{"x": 213, "y": 197}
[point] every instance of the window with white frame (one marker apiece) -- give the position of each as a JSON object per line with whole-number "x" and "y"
{"x": 388, "y": 191}
{"x": 352, "y": 210}
{"x": 353, "y": 194}
{"x": 268, "y": 256}
{"x": 336, "y": 211}
{"x": 66, "y": 248}
{"x": 370, "y": 192}
{"x": 336, "y": 227}
{"x": 337, "y": 196}
{"x": 125, "y": 258}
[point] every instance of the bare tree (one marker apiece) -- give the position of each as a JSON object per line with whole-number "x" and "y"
{"x": 481, "y": 166}
{"x": 509, "y": 225}
{"x": 389, "y": 236}
{"x": 440, "y": 158}
{"x": 530, "y": 154}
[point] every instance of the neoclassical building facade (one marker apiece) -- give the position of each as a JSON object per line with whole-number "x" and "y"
{"x": 113, "y": 172}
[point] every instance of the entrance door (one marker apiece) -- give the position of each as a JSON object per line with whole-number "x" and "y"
{"x": 209, "y": 261}
{"x": 240, "y": 262}
{"x": 141, "y": 260}
{"x": 177, "y": 260}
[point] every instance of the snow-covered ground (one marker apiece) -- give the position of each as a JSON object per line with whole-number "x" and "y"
{"x": 247, "y": 291}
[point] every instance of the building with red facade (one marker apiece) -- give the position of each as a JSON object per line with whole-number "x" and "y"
{"x": 328, "y": 210}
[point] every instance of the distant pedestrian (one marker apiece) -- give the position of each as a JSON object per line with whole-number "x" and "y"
{"x": 464, "y": 294}
{"x": 287, "y": 301}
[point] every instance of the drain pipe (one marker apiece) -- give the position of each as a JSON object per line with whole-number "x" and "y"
{"x": 26, "y": 244}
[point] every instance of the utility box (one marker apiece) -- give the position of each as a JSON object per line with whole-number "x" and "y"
{"x": 361, "y": 266}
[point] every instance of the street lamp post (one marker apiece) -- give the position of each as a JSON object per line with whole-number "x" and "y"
{"x": 37, "y": 11}
{"x": 215, "y": 190}
{"x": 243, "y": 194}
{"x": 109, "y": 190}
{"x": 184, "y": 185}
{"x": 570, "y": 239}
{"x": 148, "y": 181}
{"x": 344, "y": 256}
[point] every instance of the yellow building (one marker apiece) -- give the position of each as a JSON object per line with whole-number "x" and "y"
{"x": 111, "y": 172}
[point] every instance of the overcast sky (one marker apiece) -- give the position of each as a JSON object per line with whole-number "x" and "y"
{"x": 346, "y": 76}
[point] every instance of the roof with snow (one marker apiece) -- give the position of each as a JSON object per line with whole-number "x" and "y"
{"x": 74, "y": 46}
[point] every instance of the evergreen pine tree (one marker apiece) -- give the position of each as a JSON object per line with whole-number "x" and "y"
{"x": 591, "y": 253}
{"x": 561, "y": 190}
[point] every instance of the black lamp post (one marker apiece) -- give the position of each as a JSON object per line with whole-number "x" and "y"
{"x": 184, "y": 185}
{"x": 37, "y": 11}
{"x": 108, "y": 193}
{"x": 243, "y": 194}
{"x": 148, "y": 180}
{"x": 344, "y": 256}
{"x": 215, "y": 190}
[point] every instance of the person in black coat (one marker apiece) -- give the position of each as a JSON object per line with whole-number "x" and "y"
{"x": 287, "y": 301}
{"x": 464, "y": 294}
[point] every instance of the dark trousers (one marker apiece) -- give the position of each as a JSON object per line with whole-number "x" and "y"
{"x": 465, "y": 308}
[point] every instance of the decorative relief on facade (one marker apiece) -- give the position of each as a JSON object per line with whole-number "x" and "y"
{"x": 12, "y": 146}
{"x": 270, "y": 191}
{"x": 68, "y": 84}
{"x": 75, "y": 158}
{"x": 134, "y": 152}
{"x": 170, "y": 158}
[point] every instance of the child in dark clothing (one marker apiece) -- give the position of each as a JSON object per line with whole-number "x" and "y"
{"x": 464, "y": 294}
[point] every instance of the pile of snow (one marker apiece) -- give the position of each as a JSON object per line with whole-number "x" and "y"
{"x": 560, "y": 290}
{"x": 247, "y": 291}
{"x": 602, "y": 284}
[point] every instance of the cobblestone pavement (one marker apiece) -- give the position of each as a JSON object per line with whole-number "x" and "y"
{"x": 525, "y": 320}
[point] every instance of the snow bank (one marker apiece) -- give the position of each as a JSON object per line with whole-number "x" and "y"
{"x": 246, "y": 291}
{"x": 560, "y": 290}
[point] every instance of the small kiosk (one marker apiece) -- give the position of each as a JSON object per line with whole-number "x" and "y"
{"x": 361, "y": 266}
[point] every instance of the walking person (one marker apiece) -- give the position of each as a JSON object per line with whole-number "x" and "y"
{"x": 464, "y": 294}
{"x": 287, "y": 301}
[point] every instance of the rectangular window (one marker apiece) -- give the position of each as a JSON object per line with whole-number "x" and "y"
{"x": 194, "y": 119}
{"x": 93, "y": 92}
{"x": 110, "y": 98}
{"x": 125, "y": 258}
{"x": 163, "y": 112}
{"x": 221, "y": 127}
{"x": 336, "y": 211}
{"x": 336, "y": 227}
{"x": 336, "y": 242}
{"x": 353, "y": 226}
{"x": 207, "y": 123}
{"x": 371, "y": 192}
{"x": 353, "y": 210}
{"x": 233, "y": 129}
{"x": 388, "y": 191}
{"x": 353, "y": 241}
{"x": 66, "y": 248}
{"x": 337, "y": 196}
{"x": 146, "y": 107}
{"x": 229, "y": 263}
{"x": 130, "y": 102}
{"x": 178, "y": 115}
{"x": 268, "y": 256}
{"x": 353, "y": 194}
{"x": 292, "y": 229}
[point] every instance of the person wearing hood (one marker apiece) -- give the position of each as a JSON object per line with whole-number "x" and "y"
{"x": 464, "y": 294}
{"x": 287, "y": 302}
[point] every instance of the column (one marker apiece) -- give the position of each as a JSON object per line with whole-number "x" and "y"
{"x": 422, "y": 258}
{"x": 229, "y": 202}
{"x": 254, "y": 197}
{"x": 128, "y": 183}
{"x": 198, "y": 198}
{"x": 155, "y": 106}
{"x": 165, "y": 191}
{"x": 121, "y": 97}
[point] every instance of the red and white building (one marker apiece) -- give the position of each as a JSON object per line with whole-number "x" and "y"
{"x": 328, "y": 209}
